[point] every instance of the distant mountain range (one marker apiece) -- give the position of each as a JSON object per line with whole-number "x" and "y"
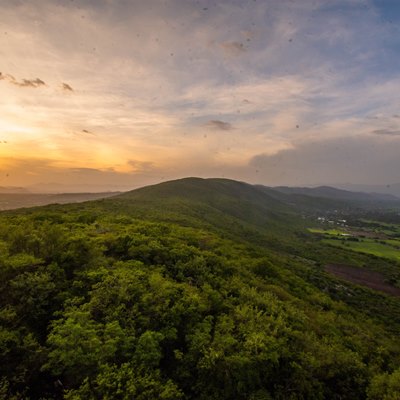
{"x": 334, "y": 193}
{"x": 393, "y": 188}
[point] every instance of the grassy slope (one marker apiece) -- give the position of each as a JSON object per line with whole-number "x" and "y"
{"x": 251, "y": 215}
{"x": 235, "y": 209}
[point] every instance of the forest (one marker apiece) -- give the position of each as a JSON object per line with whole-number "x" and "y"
{"x": 192, "y": 289}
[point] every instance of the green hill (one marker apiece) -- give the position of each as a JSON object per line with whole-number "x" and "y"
{"x": 325, "y": 198}
{"x": 190, "y": 289}
{"x": 227, "y": 196}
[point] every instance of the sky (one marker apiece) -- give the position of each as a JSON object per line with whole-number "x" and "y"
{"x": 115, "y": 94}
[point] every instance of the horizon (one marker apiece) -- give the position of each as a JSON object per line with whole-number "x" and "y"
{"x": 59, "y": 189}
{"x": 121, "y": 95}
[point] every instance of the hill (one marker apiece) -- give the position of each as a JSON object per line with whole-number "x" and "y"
{"x": 339, "y": 194}
{"x": 190, "y": 289}
{"x": 207, "y": 201}
{"x": 278, "y": 198}
{"x": 329, "y": 199}
{"x": 392, "y": 188}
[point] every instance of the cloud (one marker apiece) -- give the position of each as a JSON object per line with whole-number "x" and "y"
{"x": 30, "y": 83}
{"x": 387, "y": 132}
{"x": 141, "y": 166}
{"x": 220, "y": 125}
{"x": 87, "y": 132}
{"x": 7, "y": 77}
{"x": 362, "y": 159}
{"x": 233, "y": 48}
{"x": 50, "y": 175}
{"x": 85, "y": 170}
{"x": 34, "y": 83}
{"x": 66, "y": 87}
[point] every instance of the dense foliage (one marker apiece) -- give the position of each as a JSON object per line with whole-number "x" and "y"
{"x": 108, "y": 300}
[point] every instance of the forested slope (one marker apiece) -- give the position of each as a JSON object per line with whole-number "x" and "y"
{"x": 194, "y": 289}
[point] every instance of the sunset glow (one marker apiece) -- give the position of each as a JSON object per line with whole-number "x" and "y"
{"x": 115, "y": 95}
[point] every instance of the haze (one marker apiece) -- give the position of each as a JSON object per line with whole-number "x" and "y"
{"x": 112, "y": 95}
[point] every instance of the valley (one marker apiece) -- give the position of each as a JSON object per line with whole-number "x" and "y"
{"x": 371, "y": 237}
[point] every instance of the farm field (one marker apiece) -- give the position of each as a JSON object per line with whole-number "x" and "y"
{"x": 368, "y": 246}
{"x": 361, "y": 276}
{"x": 334, "y": 232}
{"x": 376, "y": 238}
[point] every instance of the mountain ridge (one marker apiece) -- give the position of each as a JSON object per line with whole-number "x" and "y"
{"x": 333, "y": 192}
{"x": 284, "y": 198}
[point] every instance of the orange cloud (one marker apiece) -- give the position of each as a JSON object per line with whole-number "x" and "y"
{"x": 34, "y": 83}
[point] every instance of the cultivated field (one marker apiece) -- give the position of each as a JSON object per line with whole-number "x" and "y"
{"x": 361, "y": 276}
